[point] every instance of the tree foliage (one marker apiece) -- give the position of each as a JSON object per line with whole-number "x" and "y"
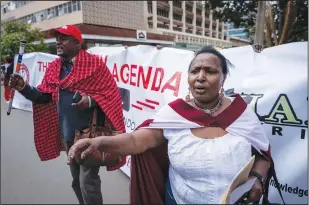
{"x": 14, "y": 31}
{"x": 285, "y": 20}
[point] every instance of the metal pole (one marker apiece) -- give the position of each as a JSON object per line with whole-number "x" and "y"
{"x": 259, "y": 27}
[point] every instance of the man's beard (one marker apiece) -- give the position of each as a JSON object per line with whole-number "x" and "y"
{"x": 66, "y": 57}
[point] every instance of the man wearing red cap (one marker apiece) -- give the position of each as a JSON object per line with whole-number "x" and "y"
{"x": 54, "y": 114}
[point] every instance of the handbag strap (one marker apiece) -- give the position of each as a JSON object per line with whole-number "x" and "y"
{"x": 272, "y": 173}
{"x": 93, "y": 125}
{"x": 277, "y": 184}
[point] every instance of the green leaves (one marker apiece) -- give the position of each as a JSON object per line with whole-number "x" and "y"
{"x": 243, "y": 13}
{"x": 13, "y": 32}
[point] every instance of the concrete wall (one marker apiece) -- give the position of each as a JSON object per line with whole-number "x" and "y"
{"x": 59, "y": 21}
{"x": 121, "y": 14}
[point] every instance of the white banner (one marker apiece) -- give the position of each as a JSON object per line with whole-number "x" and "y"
{"x": 32, "y": 69}
{"x": 274, "y": 82}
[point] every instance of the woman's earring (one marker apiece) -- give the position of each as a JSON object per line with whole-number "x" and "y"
{"x": 188, "y": 96}
{"x": 221, "y": 92}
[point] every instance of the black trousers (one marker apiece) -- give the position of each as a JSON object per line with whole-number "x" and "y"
{"x": 86, "y": 182}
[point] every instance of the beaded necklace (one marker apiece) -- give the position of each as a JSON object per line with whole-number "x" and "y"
{"x": 211, "y": 111}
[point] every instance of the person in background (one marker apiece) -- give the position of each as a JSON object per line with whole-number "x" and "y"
{"x": 8, "y": 71}
{"x": 192, "y": 149}
{"x": 55, "y": 115}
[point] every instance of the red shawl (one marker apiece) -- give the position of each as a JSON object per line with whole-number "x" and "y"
{"x": 89, "y": 76}
{"x": 150, "y": 169}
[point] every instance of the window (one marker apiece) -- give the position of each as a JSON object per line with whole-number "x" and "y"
{"x": 5, "y": 8}
{"x": 198, "y": 12}
{"x": 61, "y": 9}
{"x": 37, "y": 17}
{"x": 74, "y": 5}
{"x": 188, "y": 31}
{"x": 13, "y": 5}
{"x": 163, "y": 26}
{"x": 163, "y": 13}
{"x": 188, "y": 20}
{"x": 177, "y": 4}
{"x": 150, "y": 8}
{"x": 56, "y": 11}
{"x": 33, "y": 19}
{"x": 40, "y": 16}
{"x": 177, "y": 29}
{"x": 78, "y": 6}
{"x": 50, "y": 12}
{"x": 43, "y": 15}
{"x": 69, "y": 7}
{"x": 65, "y": 8}
{"x": 176, "y": 17}
{"x": 29, "y": 18}
{"x": 189, "y": 8}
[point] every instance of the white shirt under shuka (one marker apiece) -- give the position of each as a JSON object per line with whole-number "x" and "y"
{"x": 201, "y": 169}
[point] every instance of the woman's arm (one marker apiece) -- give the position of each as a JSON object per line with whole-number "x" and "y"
{"x": 131, "y": 143}
{"x": 260, "y": 169}
{"x": 261, "y": 165}
{"x": 124, "y": 144}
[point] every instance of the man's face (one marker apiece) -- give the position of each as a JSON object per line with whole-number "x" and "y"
{"x": 66, "y": 45}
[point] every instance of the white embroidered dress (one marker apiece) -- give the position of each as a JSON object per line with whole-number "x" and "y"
{"x": 201, "y": 169}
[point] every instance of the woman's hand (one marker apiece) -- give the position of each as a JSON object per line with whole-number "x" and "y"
{"x": 82, "y": 148}
{"x": 123, "y": 144}
{"x": 260, "y": 167}
{"x": 256, "y": 191}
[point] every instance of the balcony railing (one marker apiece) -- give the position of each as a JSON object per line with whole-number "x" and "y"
{"x": 189, "y": 2}
{"x": 177, "y": 4}
{"x": 163, "y": 5}
{"x": 164, "y": 26}
{"x": 163, "y": 19}
{"x": 177, "y": 29}
{"x": 177, "y": 22}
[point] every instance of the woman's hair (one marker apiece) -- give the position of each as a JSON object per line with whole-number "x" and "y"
{"x": 225, "y": 63}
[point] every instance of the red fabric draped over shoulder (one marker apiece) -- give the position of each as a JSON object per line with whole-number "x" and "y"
{"x": 89, "y": 76}
{"x": 149, "y": 170}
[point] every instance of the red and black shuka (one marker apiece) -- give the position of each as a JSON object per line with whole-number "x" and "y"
{"x": 89, "y": 76}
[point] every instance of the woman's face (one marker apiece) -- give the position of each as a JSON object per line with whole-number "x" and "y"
{"x": 205, "y": 77}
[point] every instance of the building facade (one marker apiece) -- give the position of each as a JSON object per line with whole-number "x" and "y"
{"x": 238, "y": 35}
{"x": 188, "y": 22}
{"x": 168, "y": 23}
{"x": 237, "y": 32}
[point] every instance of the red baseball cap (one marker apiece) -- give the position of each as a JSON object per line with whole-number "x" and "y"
{"x": 67, "y": 30}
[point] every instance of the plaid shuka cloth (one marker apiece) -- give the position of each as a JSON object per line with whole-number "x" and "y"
{"x": 89, "y": 76}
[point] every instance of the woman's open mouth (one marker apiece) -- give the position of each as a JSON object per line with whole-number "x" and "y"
{"x": 200, "y": 90}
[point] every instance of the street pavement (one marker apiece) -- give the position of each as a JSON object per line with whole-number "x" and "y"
{"x": 27, "y": 180}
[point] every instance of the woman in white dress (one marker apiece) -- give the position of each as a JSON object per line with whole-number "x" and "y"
{"x": 204, "y": 142}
